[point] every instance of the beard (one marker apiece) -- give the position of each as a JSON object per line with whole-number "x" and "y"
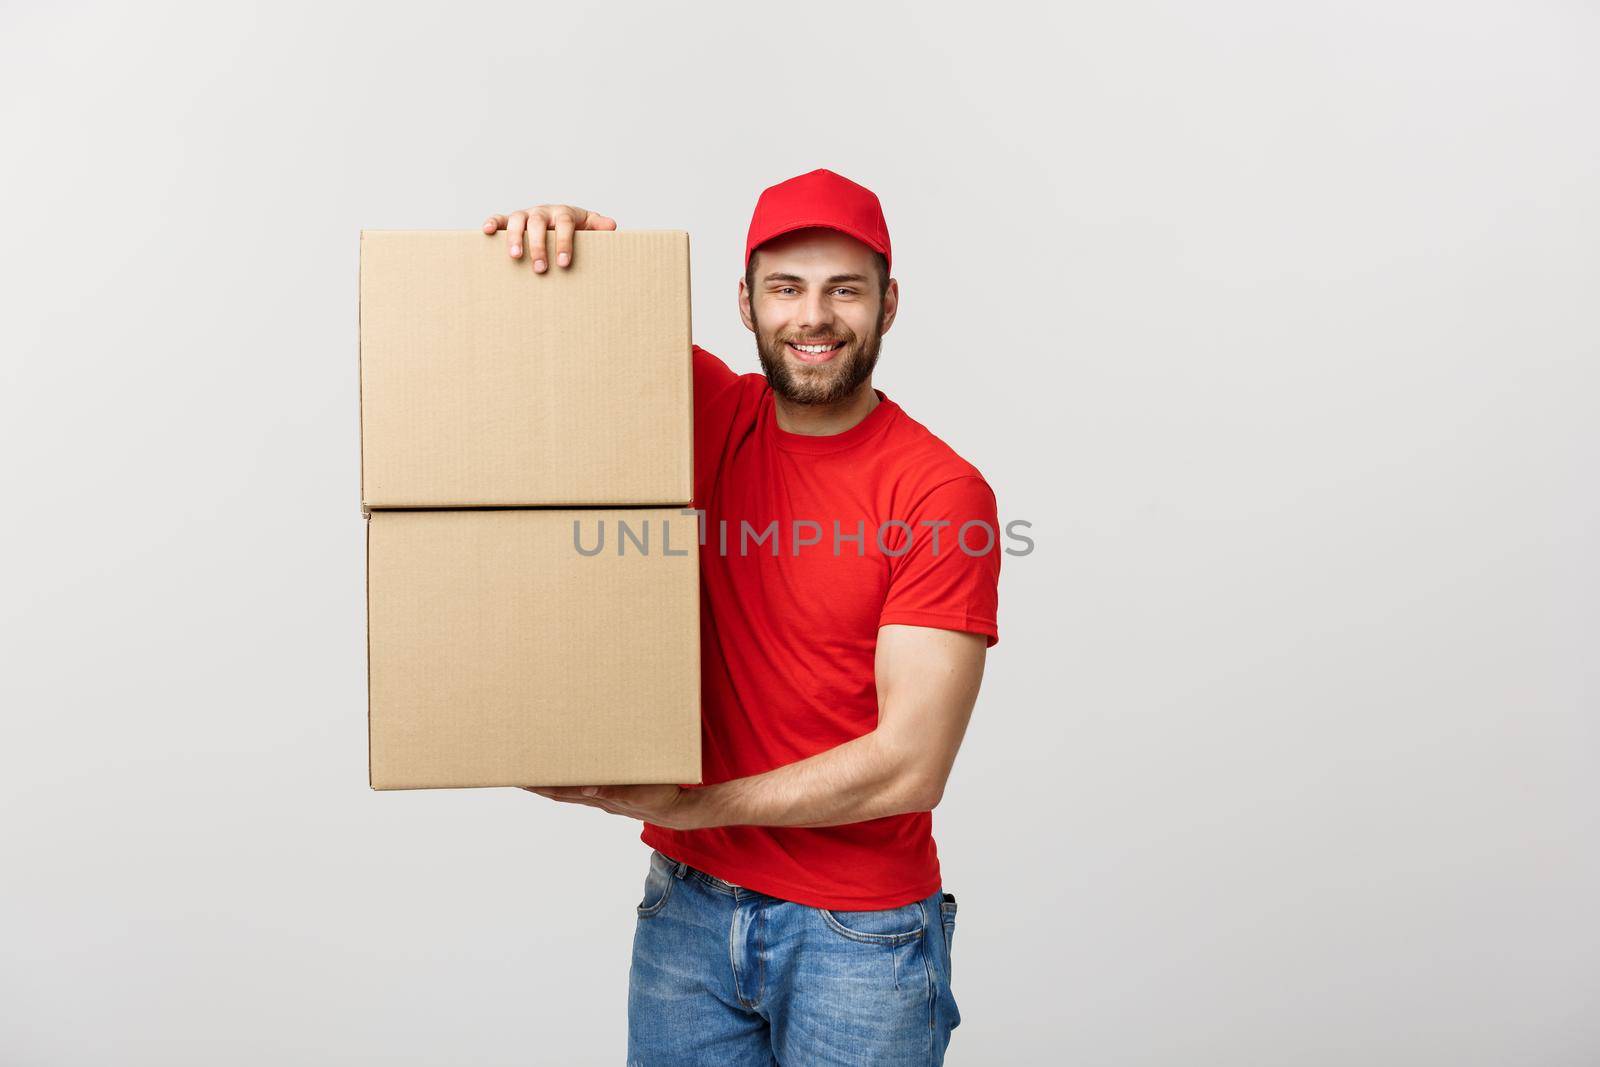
{"x": 821, "y": 383}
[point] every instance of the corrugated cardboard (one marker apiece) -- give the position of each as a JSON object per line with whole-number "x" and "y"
{"x": 484, "y": 384}
{"x": 499, "y": 655}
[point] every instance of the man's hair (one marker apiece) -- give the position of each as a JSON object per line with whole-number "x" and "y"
{"x": 877, "y": 259}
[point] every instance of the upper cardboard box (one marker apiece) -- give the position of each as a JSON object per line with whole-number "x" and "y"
{"x": 484, "y": 384}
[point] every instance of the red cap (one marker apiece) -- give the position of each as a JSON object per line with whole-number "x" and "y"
{"x": 820, "y": 198}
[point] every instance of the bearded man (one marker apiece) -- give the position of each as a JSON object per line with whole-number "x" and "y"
{"x": 794, "y": 910}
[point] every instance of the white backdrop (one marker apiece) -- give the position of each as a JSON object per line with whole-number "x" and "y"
{"x": 1276, "y": 321}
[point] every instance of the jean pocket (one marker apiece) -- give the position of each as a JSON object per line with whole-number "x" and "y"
{"x": 947, "y": 919}
{"x": 885, "y": 926}
{"x": 657, "y": 885}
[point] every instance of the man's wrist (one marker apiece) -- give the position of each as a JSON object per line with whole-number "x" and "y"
{"x": 696, "y": 808}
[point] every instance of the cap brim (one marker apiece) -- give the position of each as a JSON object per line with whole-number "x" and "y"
{"x": 824, "y": 224}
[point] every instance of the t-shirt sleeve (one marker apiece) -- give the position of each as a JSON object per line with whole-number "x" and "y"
{"x": 716, "y": 409}
{"x": 711, "y": 375}
{"x": 949, "y": 575}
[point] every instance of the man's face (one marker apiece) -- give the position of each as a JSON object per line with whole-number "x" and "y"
{"x": 817, "y": 287}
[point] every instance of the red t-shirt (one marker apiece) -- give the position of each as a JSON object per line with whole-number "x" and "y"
{"x": 790, "y": 616}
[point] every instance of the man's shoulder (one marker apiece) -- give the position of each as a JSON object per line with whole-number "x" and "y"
{"x": 712, "y": 376}
{"x": 931, "y": 460}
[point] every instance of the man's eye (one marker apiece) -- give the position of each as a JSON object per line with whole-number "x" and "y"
{"x": 844, "y": 289}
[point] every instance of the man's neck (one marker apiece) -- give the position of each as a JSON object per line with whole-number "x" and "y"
{"x": 825, "y": 420}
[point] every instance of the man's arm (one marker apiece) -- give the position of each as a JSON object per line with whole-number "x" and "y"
{"x": 928, "y": 682}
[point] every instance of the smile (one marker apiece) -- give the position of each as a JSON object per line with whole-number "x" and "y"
{"x": 814, "y": 353}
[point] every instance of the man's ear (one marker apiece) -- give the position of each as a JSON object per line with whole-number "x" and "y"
{"x": 891, "y": 305}
{"x": 744, "y": 307}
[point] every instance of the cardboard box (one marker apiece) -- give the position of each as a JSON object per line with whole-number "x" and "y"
{"x": 501, "y": 655}
{"x": 484, "y": 384}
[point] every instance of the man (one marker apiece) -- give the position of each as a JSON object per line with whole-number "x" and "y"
{"x": 794, "y": 910}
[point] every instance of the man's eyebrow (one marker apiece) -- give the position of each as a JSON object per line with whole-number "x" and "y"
{"x": 835, "y": 280}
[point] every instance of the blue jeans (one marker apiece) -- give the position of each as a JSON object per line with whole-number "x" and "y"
{"x": 725, "y": 976}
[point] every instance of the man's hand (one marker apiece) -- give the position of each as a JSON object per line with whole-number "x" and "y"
{"x": 664, "y": 805}
{"x": 531, "y": 224}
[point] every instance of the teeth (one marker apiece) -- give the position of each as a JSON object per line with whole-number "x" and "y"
{"x": 816, "y": 349}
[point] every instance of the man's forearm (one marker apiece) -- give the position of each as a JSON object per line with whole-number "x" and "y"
{"x": 864, "y": 778}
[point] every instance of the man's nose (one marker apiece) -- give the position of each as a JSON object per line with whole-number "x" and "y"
{"x": 815, "y": 311}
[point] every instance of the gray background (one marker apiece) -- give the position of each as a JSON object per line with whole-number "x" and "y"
{"x": 1276, "y": 321}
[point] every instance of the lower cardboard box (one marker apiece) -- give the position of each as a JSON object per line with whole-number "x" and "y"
{"x": 533, "y": 647}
